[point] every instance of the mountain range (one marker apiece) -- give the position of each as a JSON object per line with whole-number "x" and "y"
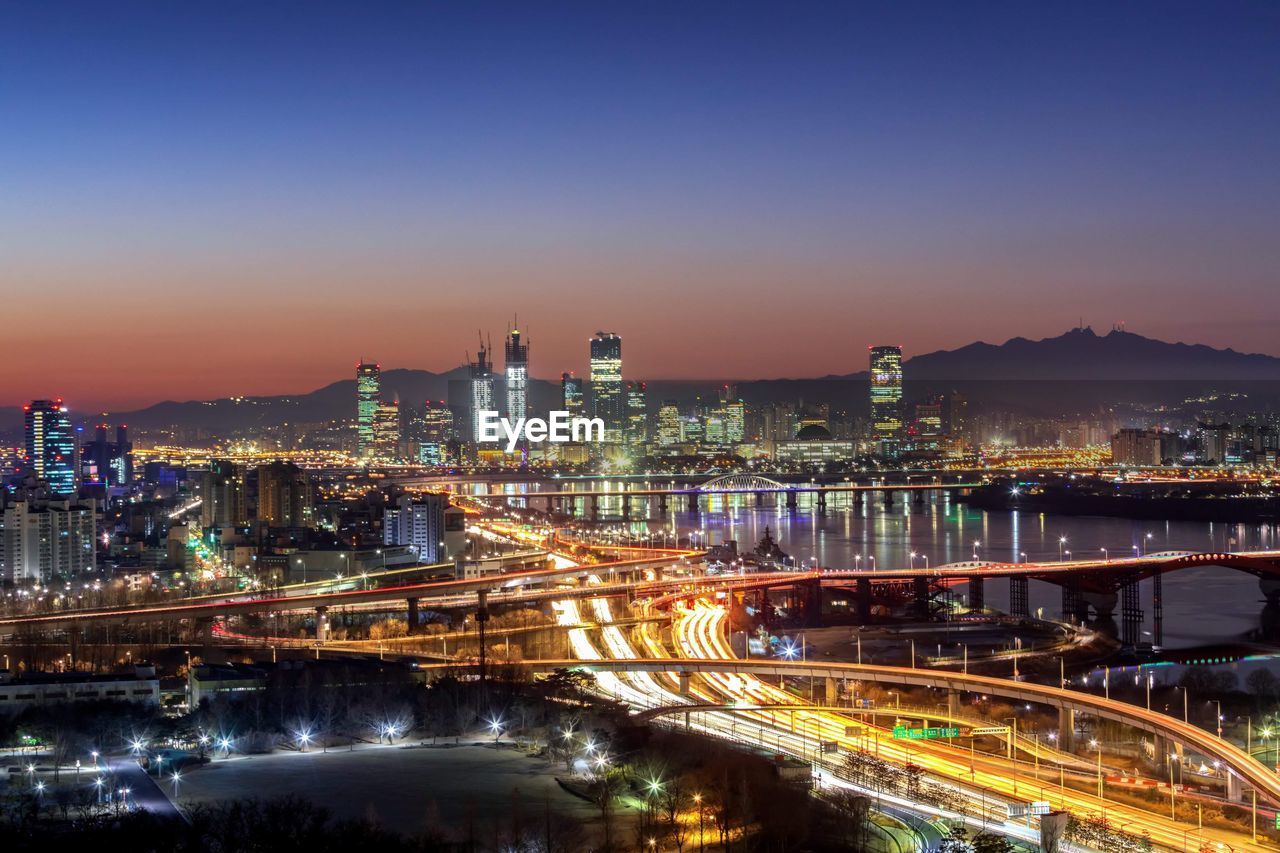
{"x": 1082, "y": 354}
{"x": 1078, "y": 356}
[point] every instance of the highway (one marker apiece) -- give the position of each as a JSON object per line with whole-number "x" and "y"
{"x": 988, "y": 780}
{"x": 202, "y": 609}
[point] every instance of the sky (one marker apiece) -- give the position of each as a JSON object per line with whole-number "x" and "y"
{"x": 215, "y": 198}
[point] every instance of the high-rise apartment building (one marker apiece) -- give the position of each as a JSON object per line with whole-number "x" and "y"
{"x": 886, "y": 394}
{"x": 517, "y": 370}
{"x": 221, "y": 489}
{"x": 46, "y": 537}
{"x": 51, "y": 445}
{"x": 368, "y": 396}
{"x": 419, "y": 522}
{"x": 1136, "y": 447}
{"x": 608, "y": 400}
{"x": 284, "y": 495}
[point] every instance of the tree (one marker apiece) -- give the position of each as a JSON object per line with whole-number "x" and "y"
{"x": 957, "y": 841}
{"x": 603, "y": 791}
{"x": 989, "y": 842}
{"x": 1263, "y": 684}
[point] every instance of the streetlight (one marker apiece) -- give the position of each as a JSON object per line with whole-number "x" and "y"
{"x": 1062, "y": 540}
{"x": 1105, "y": 558}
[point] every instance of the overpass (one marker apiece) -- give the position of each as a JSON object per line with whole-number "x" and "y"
{"x": 321, "y": 601}
{"x": 1242, "y": 770}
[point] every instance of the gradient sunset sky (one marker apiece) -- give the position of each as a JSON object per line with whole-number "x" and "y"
{"x": 212, "y": 198}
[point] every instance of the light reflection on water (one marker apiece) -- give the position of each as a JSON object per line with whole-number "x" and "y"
{"x": 1201, "y": 605}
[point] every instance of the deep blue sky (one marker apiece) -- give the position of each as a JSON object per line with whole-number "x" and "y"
{"x": 246, "y": 197}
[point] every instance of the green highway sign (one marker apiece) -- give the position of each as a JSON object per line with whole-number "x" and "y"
{"x": 904, "y": 733}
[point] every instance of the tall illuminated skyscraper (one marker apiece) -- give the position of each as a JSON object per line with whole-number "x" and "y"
{"x": 886, "y": 394}
{"x": 517, "y": 367}
{"x": 368, "y": 396}
{"x": 386, "y": 431}
{"x": 481, "y": 386}
{"x": 637, "y": 413}
{"x": 669, "y": 423}
{"x": 571, "y": 394}
{"x": 608, "y": 401}
{"x": 51, "y": 445}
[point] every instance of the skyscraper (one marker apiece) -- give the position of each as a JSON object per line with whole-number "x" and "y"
{"x": 368, "y": 396}
{"x": 607, "y": 398}
{"x": 886, "y": 395}
{"x": 481, "y": 387}
{"x": 386, "y": 430}
{"x": 51, "y": 445}
{"x": 433, "y": 433}
{"x": 735, "y": 415}
{"x": 105, "y": 463}
{"x": 517, "y": 367}
{"x": 669, "y": 423}
{"x": 637, "y": 413}
{"x": 571, "y": 394}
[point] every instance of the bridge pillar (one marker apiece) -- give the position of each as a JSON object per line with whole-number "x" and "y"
{"x": 595, "y": 507}
{"x": 411, "y": 620}
{"x": 1074, "y": 608}
{"x": 691, "y": 502}
{"x": 662, "y": 504}
{"x": 759, "y": 498}
{"x": 1270, "y": 587}
{"x": 1066, "y": 729}
{"x": 977, "y": 594}
{"x": 864, "y": 600}
{"x": 626, "y": 506}
{"x": 1103, "y": 603}
{"x": 812, "y": 592}
{"x": 918, "y": 498}
{"x": 886, "y": 497}
{"x": 857, "y": 499}
{"x": 791, "y": 499}
{"x": 1130, "y": 612}
{"x": 1235, "y": 787}
{"x": 831, "y": 691}
{"x": 953, "y": 704}
{"x": 920, "y": 587}
{"x": 684, "y": 678}
{"x": 822, "y": 501}
{"x": 322, "y": 624}
{"x": 1157, "y": 609}
{"x": 1018, "y": 597}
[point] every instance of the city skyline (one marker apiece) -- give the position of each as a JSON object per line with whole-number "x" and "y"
{"x": 537, "y": 371}
{"x": 925, "y": 176}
